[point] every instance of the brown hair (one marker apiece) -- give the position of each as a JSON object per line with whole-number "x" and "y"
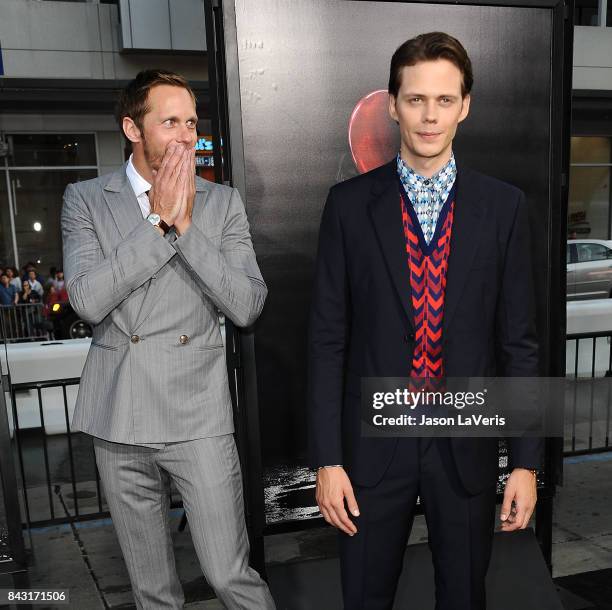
{"x": 429, "y": 47}
{"x": 132, "y": 102}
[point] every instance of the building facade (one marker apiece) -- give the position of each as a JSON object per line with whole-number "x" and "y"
{"x": 590, "y": 199}
{"x": 61, "y": 67}
{"x": 63, "y": 62}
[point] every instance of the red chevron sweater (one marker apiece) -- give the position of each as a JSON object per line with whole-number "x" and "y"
{"x": 428, "y": 266}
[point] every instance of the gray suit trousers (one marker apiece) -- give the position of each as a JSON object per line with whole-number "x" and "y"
{"x": 206, "y": 472}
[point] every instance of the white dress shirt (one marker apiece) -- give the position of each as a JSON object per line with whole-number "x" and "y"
{"x": 140, "y": 187}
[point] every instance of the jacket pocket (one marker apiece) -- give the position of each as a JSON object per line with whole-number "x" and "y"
{"x": 203, "y": 348}
{"x": 112, "y": 348}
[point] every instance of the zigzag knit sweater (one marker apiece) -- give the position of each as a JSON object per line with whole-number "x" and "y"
{"x": 428, "y": 265}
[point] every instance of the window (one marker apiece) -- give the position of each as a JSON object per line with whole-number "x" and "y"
{"x": 39, "y": 166}
{"x": 592, "y": 252}
{"x": 586, "y": 12}
{"x": 91, "y": 1}
{"x": 593, "y": 12}
{"x": 590, "y": 196}
{"x": 51, "y": 149}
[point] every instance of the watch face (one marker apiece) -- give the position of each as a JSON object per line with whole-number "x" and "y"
{"x": 154, "y": 219}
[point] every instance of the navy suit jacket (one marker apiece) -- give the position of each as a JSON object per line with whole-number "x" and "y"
{"x": 361, "y": 322}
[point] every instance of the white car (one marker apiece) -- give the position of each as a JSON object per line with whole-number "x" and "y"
{"x": 589, "y": 269}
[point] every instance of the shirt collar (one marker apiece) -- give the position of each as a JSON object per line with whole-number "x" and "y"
{"x": 139, "y": 184}
{"x": 440, "y": 182}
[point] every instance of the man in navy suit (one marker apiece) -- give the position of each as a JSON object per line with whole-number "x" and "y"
{"x": 423, "y": 270}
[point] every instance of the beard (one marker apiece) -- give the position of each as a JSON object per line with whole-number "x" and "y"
{"x": 153, "y": 155}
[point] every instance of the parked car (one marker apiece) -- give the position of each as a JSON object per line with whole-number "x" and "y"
{"x": 589, "y": 269}
{"x": 66, "y": 324}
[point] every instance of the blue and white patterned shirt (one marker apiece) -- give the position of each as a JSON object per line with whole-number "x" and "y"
{"x": 427, "y": 195}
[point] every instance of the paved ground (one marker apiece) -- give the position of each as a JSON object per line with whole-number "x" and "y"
{"x": 86, "y": 559}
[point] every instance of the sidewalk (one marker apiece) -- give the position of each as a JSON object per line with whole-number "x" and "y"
{"x": 86, "y": 558}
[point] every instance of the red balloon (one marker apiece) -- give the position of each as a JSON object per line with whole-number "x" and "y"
{"x": 373, "y": 135}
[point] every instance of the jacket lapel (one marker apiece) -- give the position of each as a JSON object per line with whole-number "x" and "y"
{"x": 385, "y": 212}
{"x": 122, "y": 202}
{"x": 467, "y": 227}
{"x": 157, "y": 285}
{"x": 126, "y": 214}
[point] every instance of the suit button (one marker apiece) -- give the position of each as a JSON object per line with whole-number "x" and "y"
{"x": 183, "y": 339}
{"x": 408, "y": 338}
{"x": 134, "y": 338}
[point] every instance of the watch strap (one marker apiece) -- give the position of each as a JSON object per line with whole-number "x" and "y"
{"x": 163, "y": 225}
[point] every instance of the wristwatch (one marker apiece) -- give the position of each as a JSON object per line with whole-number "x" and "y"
{"x": 156, "y": 221}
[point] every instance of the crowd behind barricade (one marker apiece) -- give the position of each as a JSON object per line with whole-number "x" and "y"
{"x": 31, "y": 287}
{"x": 28, "y": 301}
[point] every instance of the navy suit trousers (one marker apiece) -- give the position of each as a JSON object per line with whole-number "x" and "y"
{"x": 460, "y": 530}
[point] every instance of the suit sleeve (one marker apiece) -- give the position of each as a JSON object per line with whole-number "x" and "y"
{"x": 97, "y": 284}
{"x": 327, "y": 342}
{"x": 518, "y": 343}
{"x": 229, "y": 276}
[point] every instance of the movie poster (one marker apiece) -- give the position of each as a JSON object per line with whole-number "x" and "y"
{"x": 313, "y": 78}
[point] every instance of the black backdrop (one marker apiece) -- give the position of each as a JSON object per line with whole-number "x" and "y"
{"x": 295, "y": 72}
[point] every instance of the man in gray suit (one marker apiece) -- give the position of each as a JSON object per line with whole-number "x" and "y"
{"x": 151, "y": 255}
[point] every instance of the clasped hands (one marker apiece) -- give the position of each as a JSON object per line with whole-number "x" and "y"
{"x": 173, "y": 191}
{"x": 335, "y": 495}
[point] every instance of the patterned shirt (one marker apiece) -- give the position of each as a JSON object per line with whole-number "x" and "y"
{"x": 427, "y": 195}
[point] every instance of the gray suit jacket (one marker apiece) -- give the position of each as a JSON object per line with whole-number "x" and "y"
{"x": 141, "y": 292}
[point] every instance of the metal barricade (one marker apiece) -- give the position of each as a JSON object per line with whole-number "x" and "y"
{"x": 588, "y": 400}
{"x": 24, "y": 322}
{"x": 52, "y": 491}
{"x": 61, "y": 483}
{"x": 59, "y": 478}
